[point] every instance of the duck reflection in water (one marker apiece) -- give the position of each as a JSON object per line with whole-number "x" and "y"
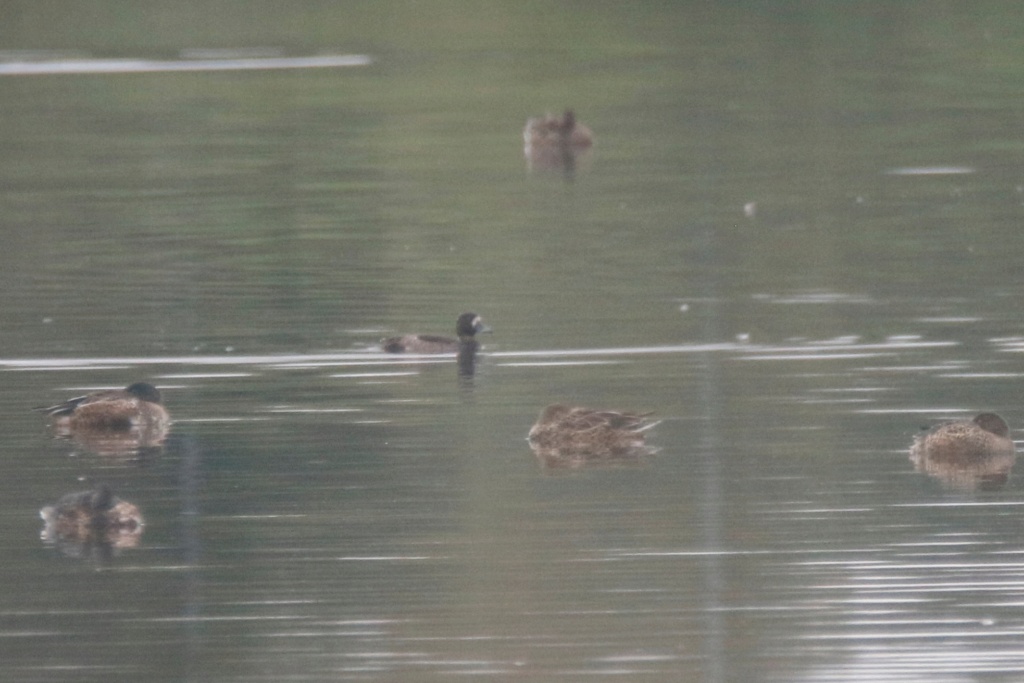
{"x": 119, "y": 422}
{"x": 556, "y": 142}
{"x": 976, "y": 454}
{"x": 92, "y": 523}
{"x": 566, "y": 437}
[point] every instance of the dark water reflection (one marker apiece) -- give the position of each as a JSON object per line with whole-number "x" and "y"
{"x": 321, "y": 511}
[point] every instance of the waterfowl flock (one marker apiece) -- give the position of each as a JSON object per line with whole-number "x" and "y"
{"x": 132, "y": 421}
{"x": 972, "y": 454}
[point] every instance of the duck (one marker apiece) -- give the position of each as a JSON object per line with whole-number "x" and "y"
{"x": 578, "y": 434}
{"x": 985, "y": 436}
{"x": 554, "y": 142}
{"x": 137, "y": 406}
{"x": 976, "y": 453}
{"x": 94, "y": 516}
{"x": 467, "y": 327}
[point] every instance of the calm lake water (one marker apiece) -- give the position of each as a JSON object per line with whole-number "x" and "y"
{"x": 796, "y": 240}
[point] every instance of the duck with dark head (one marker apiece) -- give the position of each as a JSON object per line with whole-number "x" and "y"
{"x": 466, "y": 328}
{"x": 113, "y": 409}
{"x": 556, "y": 142}
{"x": 118, "y": 422}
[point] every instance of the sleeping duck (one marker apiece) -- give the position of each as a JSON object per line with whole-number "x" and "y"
{"x": 574, "y": 436}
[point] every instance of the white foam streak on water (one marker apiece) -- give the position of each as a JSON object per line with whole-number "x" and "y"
{"x": 911, "y": 411}
{"x": 625, "y": 350}
{"x": 363, "y": 375}
{"x": 899, "y": 344}
{"x": 214, "y": 420}
{"x": 388, "y": 558}
{"x": 560, "y": 363}
{"x": 637, "y": 658}
{"x": 981, "y": 375}
{"x": 124, "y": 66}
{"x": 908, "y": 368}
{"x": 206, "y": 375}
{"x": 278, "y": 361}
{"x": 930, "y": 170}
{"x": 950, "y": 319}
{"x": 961, "y": 504}
{"x": 406, "y": 359}
{"x": 812, "y": 350}
{"x": 814, "y": 356}
{"x": 283, "y": 409}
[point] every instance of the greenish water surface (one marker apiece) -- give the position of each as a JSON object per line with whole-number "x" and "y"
{"x": 796, "y": 240}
